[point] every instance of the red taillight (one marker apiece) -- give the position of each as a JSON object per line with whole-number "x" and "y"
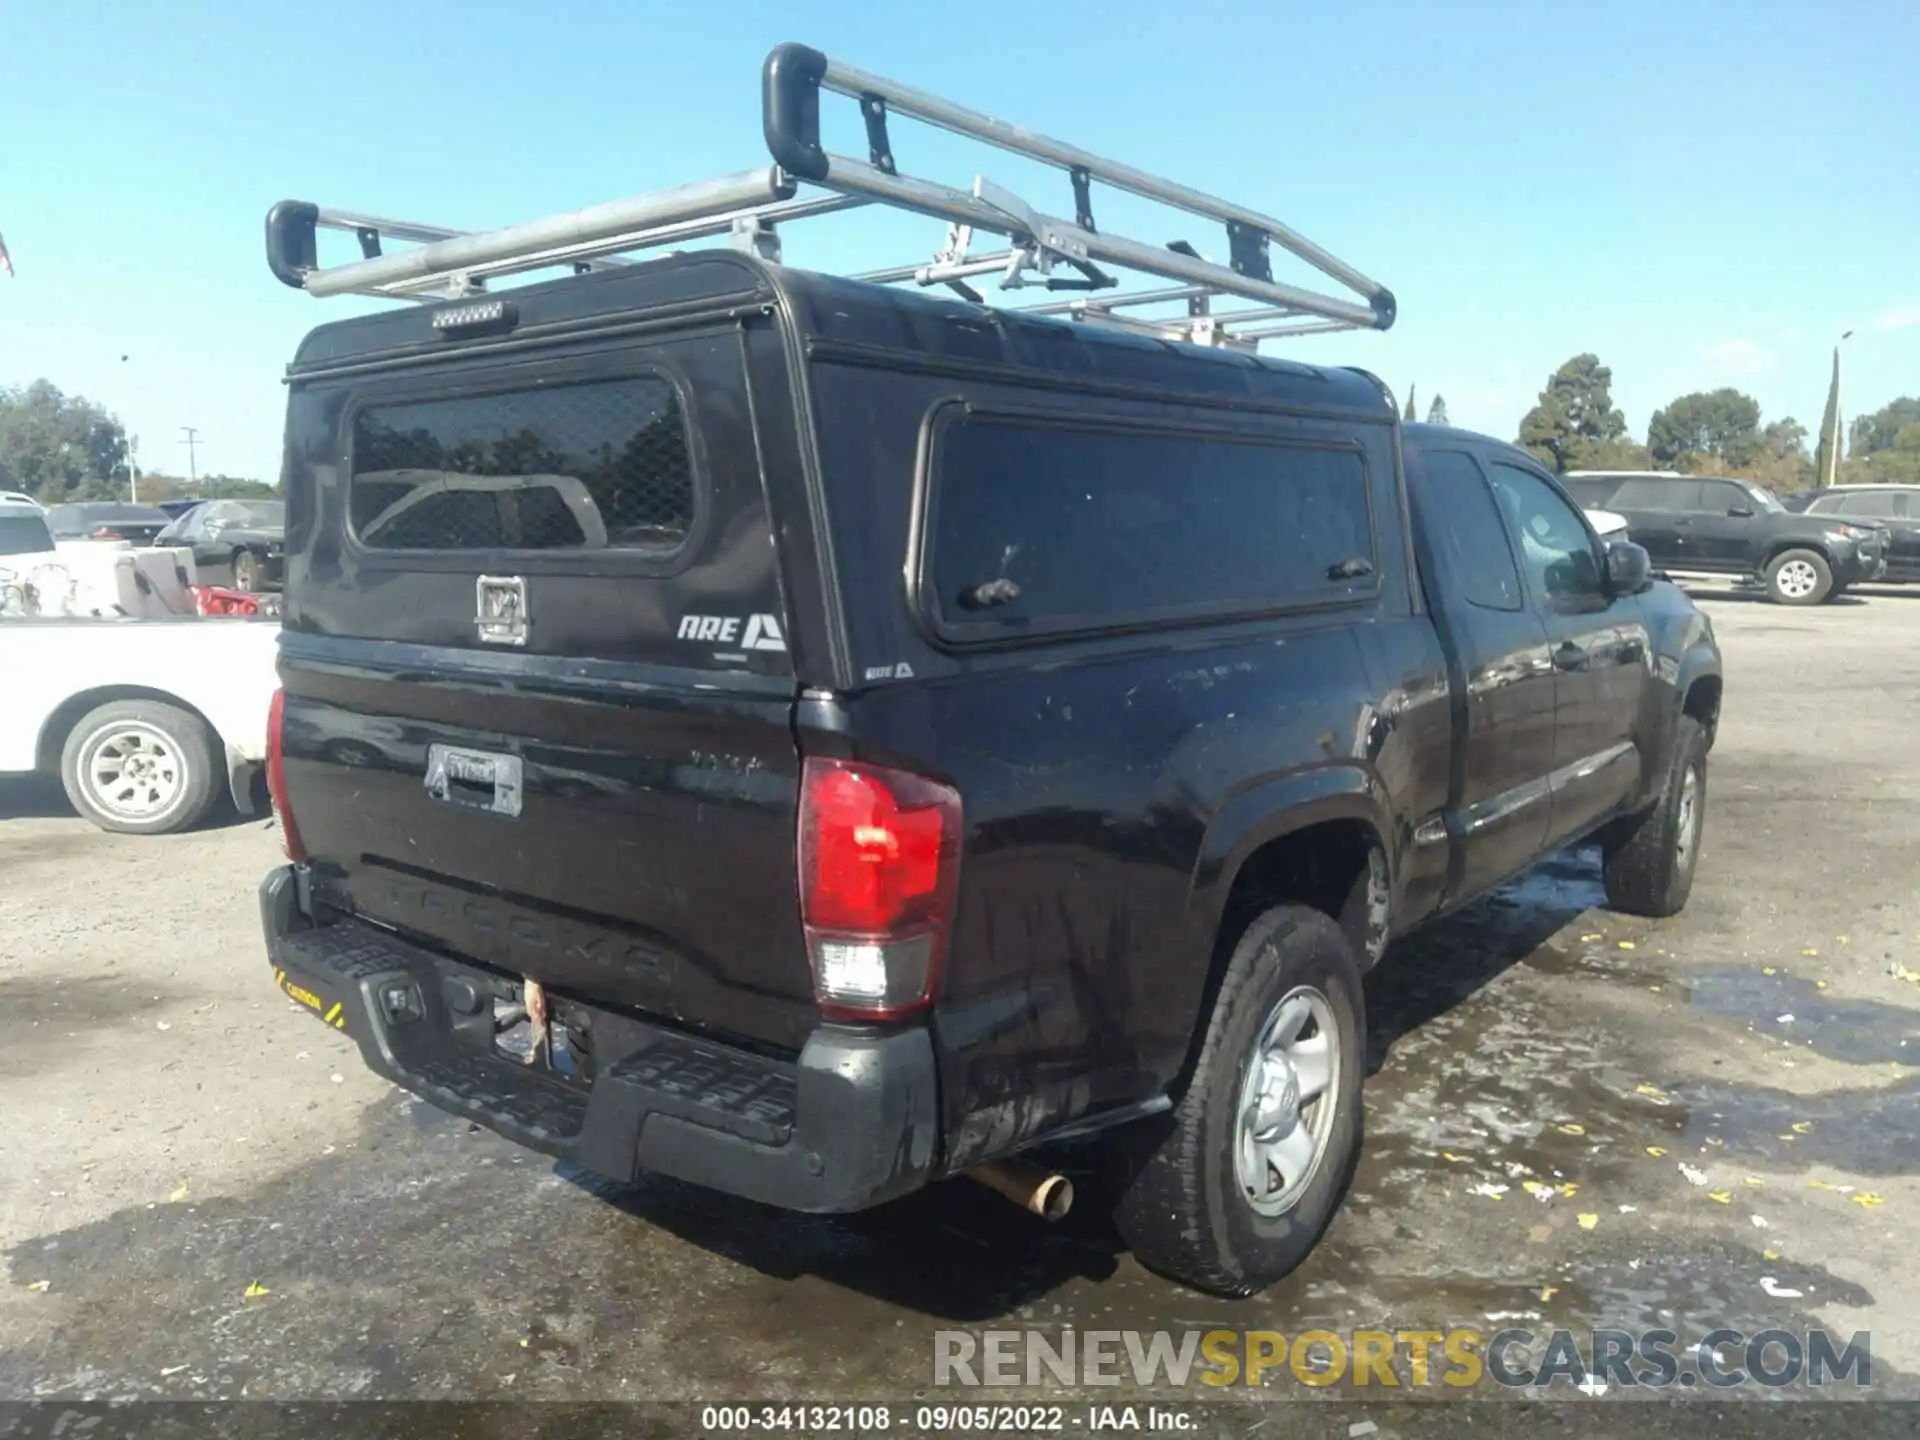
{"x": 277, "y": 778}
{"x": 879, "y": 867}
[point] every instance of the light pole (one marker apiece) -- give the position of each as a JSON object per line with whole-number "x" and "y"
{"x": 1839, "y": 427}
{"x": 133, "y": 469}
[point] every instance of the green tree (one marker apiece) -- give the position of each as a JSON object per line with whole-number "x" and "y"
{"x": 1782, "y": 463}
{"x": 1881, "y": 430}
{"x": 1413, "y": 412}
{"x": 1897, "y": 463}
{"x": 154, "y": 487}
{"x": 1574, "y": 421}
{"x": 1437, "y": 411}
{"x": 1722, "y": 425}
{"x": 59, "y": 447}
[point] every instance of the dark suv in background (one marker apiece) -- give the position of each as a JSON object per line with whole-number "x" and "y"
{"x": 1717, "y": 526}
{"x": 1895, "y": 506}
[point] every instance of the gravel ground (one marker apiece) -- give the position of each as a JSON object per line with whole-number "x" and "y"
{"x": 178, "y": 1135}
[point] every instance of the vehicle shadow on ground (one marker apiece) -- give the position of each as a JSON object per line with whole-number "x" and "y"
{"x": 1445, "y": 964}
{"x": 959, "y": 1252}
{"x": 32, "y": 797}
{"x": 42, "y": 797}
{"x": 1759, "y": 597}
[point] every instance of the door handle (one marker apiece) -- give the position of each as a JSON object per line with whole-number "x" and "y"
{"x": 1569, "y": 656}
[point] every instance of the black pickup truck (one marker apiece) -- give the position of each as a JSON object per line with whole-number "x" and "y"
{"x": 813, "y": 739}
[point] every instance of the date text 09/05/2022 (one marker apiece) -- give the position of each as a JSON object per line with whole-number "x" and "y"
{"x": 941, "y": 1419}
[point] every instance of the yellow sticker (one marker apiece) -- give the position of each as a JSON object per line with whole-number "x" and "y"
{"x": 1766, "y": 969}
{"x": 1456, "y": 1159}
{"x": 1547, "y": 1292}
{"x": 1656, "y": 1151}
{"x": 1724, "y": 1197}
{"x": 1624, "y": 944}
{"x": 179, "y": 1194}
{"x": 1753, "y": 1180}
{"x": 1589, "y": 1220}
{"x": 1569, "y": 1189}
{"x": 1869, "y": 1199}
{"x": 1809, "y": 951}
{"x": 41, "y": 1285}
{"x": 255, "y": 1291}
{"x": 1570, "y": 1128}
{"x": 1801, "y": 1127}
{"x": 1652, "y": 1092}
{"x": 1770, "y": 1254}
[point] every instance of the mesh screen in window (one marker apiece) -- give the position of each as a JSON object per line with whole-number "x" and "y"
{"x": 573, "y": 467}
{"x": 1050, "y": 525}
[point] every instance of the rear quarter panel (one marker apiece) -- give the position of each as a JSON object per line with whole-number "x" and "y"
{"x": 1112, "y": 784}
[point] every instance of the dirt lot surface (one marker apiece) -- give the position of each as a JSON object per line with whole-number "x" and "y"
{"x": 206, "y": 1195}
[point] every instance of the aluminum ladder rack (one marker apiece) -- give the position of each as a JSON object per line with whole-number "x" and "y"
{"x": 751, "y": 209}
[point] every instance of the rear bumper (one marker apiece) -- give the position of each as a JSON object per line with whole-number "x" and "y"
{"x": 851, "y": 1123}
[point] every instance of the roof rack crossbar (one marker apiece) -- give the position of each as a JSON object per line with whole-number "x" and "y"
{"x": 958, "y": 119}
{"x": 1042, "y": 250}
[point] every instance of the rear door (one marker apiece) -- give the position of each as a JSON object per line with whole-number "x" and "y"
{"x": 539, "y": 692}
{"x": 1722, "y": 534}
{"x": 1657, "y": 515}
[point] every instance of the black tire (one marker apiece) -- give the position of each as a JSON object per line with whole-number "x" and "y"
{"x": 1792, "y": 567}
{"x": 1649, "y": 865}
{"x": 172, "y": 746}
{"x": 246, "y": 571}
{"x": 1181, "y": 1203}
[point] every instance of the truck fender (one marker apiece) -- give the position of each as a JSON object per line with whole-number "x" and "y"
{"x": 1281, "y": 805}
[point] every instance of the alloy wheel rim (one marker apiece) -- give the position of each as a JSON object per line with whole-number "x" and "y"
{"x": 134, "y": 772}
{"x": 1287, "y": 1101}
{"x": 1687, "y": 821}
{"x": 1797, "y": 579}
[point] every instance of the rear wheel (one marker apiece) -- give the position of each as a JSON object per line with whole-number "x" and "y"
{"x": 141, "y": 767}
{"x": 1799, "y": 577}
{"x": 1233, "y": 1189}
{"x": 1649, "y": 868}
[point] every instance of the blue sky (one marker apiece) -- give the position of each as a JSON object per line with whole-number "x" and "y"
{"x": 1702, "y": 194}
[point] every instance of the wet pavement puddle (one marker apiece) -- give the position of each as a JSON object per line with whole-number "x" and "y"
{"x": 1526, "y": 1117}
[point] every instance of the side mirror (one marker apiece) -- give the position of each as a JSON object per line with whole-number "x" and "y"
{"x": 1629, "y": 568}
{"x": 1740, "y": 512}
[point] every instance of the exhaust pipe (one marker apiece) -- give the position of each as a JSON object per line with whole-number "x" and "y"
{"x": 1043, "y": 1192}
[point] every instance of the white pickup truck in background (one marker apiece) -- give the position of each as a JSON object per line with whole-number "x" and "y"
{"x": 149, "y": 723}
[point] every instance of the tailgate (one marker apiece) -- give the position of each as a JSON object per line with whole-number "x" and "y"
{"x": 539, "y": 700}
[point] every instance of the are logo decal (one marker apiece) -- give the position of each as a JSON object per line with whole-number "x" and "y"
{"x": 762, "y": 632}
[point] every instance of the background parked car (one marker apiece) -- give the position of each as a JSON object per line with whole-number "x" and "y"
{"x": 23, "y": 531}
{"x": 236, "y": 541}
{"x": 1714, "y": 525}
{"x": 13, "y": 499}
{"x": 1607, "y": 524}
{"x": 1895, "y": 506}
{"x": 107, "y": 520}
{"x": 177, "y": 508}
